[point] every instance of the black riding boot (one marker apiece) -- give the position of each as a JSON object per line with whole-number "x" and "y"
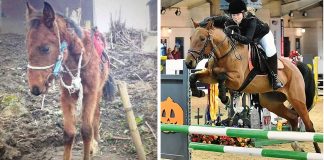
{"x": 273, "y": 68}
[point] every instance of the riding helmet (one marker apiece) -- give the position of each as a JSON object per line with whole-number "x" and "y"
{"x": 237, "y": 6}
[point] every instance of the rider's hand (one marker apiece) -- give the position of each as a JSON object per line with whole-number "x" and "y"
{"x": 228, "y": 31}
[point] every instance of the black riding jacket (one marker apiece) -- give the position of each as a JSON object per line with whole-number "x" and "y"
{"x": 251, "y": 28}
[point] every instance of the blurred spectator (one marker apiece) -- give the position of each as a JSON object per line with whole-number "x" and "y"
{"x": 169, "y": 54}
{"x": 176, "y": 53}
{"x": 163, "y": 48}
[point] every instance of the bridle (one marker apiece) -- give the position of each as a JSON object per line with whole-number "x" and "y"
{"x": 59, "y": 61}
{"x": 200, "y": 54}
{"x": 59, "y": 67}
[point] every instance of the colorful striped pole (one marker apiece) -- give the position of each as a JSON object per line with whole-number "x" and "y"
{"x": 245, "y": 133}
{"x": 256, "y": 151}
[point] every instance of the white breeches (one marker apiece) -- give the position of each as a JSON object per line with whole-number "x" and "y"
{"x": 267, "y": 43}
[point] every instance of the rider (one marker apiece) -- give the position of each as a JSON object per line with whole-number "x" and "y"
{"x": 252, "y": 30}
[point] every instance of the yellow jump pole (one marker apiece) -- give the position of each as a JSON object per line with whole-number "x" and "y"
{"x": 315, "y": 71}
{"x": 213, "y": 101}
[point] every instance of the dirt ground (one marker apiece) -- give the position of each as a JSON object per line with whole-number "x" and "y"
{"x": 316, "y": 115}
{"x": 29, "y": 132}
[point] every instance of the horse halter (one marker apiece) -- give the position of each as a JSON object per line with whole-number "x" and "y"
{"x": 58, "y": 64}
{"x": 201, "y": 54}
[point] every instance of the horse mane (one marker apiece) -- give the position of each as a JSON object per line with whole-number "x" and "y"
{"x": 215, "y": 27}
{"x": 71, "y": 24}
{"x": 219, "y": 28}
{"x": 35, "y": 21}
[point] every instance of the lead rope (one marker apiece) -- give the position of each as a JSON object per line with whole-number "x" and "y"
{"x": 80, "y": 98}
{"x": 42, "y": 107}
{"x": 76, "y": 85}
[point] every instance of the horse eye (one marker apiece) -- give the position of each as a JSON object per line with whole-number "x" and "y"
{"x": 202, "y": 38}
{"x": 44, "y": 49}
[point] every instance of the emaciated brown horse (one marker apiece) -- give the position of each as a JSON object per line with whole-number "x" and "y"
{"x": 57, "y": 47}
{"x": 231, "y": 62}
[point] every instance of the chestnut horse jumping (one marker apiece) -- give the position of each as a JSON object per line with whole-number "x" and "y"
{"x": 57, "y": 47}
{"x": 229, "y": 61}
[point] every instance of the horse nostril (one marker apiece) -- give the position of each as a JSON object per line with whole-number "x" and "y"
{"x": 35, "y": 91}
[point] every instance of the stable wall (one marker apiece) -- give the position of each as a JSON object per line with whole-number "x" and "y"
{"x": 177, "y": 32}
{"x": 13, "y": 12}
{"x": 181, "y": 26}
{"x": 312, "y": 40}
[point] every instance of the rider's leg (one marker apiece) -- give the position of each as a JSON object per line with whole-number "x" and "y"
{"x": 267, "y": 42}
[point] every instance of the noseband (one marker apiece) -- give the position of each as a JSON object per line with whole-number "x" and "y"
{"x": 201, "y": 54}
{"x": 57, "y": 65}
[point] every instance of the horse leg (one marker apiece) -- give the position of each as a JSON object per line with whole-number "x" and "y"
{"x": 203, "y": 76}
{"x": 292, "y": 117}
{"x": 68, "y": 108}
{"x": 96, "y": 136}
{"x": 282, "y": 111}
{"x": 96, "y": 125}
{"x": 193, "y": 86}
{"x": 303, "y": 113}
{"x": 89, "y": 107}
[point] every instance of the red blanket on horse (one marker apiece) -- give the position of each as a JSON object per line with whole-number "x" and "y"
{"x": 98, "y": 42}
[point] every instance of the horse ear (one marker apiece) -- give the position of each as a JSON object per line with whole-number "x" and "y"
{"x": 30, "y": 9}
{"x": 49, "y": 15}
{"x": 195, "y": 23}
{"x": 210, "y": 25}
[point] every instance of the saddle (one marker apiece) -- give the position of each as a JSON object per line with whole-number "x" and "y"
{"x": 257, "y": 59}
{"x": 258, "y": 64}
{"x": 99, "y": 44}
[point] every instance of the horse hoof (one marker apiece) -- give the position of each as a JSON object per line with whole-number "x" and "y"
{"x": 296, "y": 147}
{"x": 195, "y": 93}
{"x": 201, "y": 93}
{"x": 226, "y": 101}
{"x": 94, "y": 147}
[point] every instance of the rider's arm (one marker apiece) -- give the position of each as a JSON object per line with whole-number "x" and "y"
{"x": 218, "y": 21}
{"x": 248, "y": 37}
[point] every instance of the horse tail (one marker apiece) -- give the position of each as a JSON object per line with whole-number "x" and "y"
{"x": 109, "y": 88}
{"x": 309, "y": 84}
